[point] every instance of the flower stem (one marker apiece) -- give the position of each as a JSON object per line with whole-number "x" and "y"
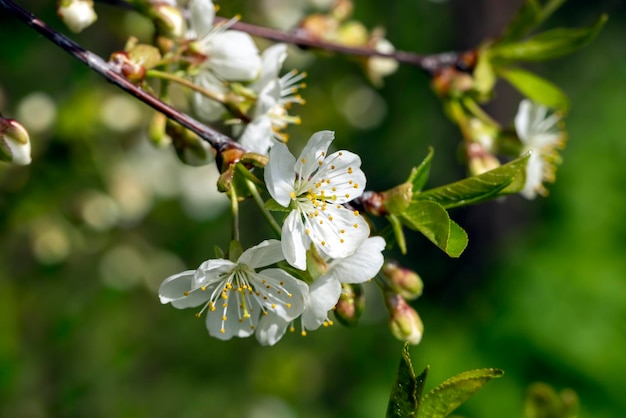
{"x": 184, "y": 82}
{"x": 259, "y": 201}
{"x": 234, "y": 206}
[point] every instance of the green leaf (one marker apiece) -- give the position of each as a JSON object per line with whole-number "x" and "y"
{"x": 550, "y": 44}
{"x": 403, "y": 398}
{"x": 274, "y": 206}
{"x": 535, "y": 88}
{"x": 445, "y": 398}
{"x": 484, "y": 75}
{"x": 432, "y": 220}
{"x": 419, "y": 175}
{"x": 506, "y": 179}
{"x": 529, "y": 16}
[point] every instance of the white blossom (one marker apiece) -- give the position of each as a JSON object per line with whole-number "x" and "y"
{"x": 540, "y": 134}
{"x": 315, "y": 187}
{"x": 229, "y": 55}
{"x": 274, "y": 97}
{"x": 77, "y": 14}
{"x": 235, "y": 296}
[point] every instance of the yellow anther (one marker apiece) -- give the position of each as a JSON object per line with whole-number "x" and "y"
{"x": 240, "y": 320}
{"x": 282, "y": 283}
{"x": 321, "y": 222}
{"x": 355, "y": 225}
{"x": 293, "y": 195}
{"x": 332, "y": 167}
{"x": 223, "y": 331}
{"x": 350, "y": 182}
{"x": 288, "y": 305}
{"x": 273, "y": 306}
{"x": 303, "y": 161}
{"x": 323, "y": 242}
{"x": 186, "y": 294}
{"x": 341, "y": 240}
{"x": 203, "y": 288}
{"x": 320, "y": 163}
{"x": 323, "y": 154}
{"x": 264, "y": 313}
{"x": 356, "y": 213}
{"x": 356, "y": 186}
{"x": 307, "y": 231}
{"x": 330, "y": 218}
{"x": 303, "y": 333}
{"x": 289, "y": 295}
{"x": 340, "y": 153}
{"x": 349, "y": 170}
{"x": 347, "y": 195}
{"x": 198, "y": 315}
{"x": 343, "y": 231}
{"x": 334, "y": 189}
{"x": 292, "y": 328}
{"x": 224, "y": 318}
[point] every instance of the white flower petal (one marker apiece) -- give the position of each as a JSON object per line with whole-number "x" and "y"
{"x": 202, "y": 14}
{"x": 235, "y": 325}
{"x": 294, "y": 240}
{"x": 206, "y": 108}
{"x": 272, "y": 61}
{"x": 279, "y": 174}
{"x": 233, "y": 56}
{"x": 534, "y": 176}
{"x": 285, "y": 294}
{"x": 313, "y": 153}
{"x": 271, "y": 329}
{"x": 362, "y": 265}
{"x": 522, "y": 120}
{"x": 174, "y": 288}
{"x": 340, "y": 177}
{"x": 266, "y": 253}
{"x": 258, "y": 135}
{"x": 323, "y": 295}
{"x": 337, "y": 232}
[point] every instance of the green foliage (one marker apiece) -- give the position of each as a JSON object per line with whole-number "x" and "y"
{"x": 407, "y": 399}
{"x": 550, "y": 44}
{"x": 535, "y": 88}
{"x": 432, "y": 220}
{"x": 530, "y": 15}
{"x": 506, "y": 179}
{"x": 419, "y": 175}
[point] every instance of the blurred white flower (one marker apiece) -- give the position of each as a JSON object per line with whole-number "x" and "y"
{"x": 77, "y": 14}
{"x": 539, "y": 133}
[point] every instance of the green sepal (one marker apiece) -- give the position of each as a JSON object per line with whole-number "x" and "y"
{"x": 506, "y": 179}
{"x": 403, "y": 400}
{"x": 445, "y": 398}
{"x": 219, "y": 253}
{"x": 274, "y": 206}
{"x": 419, "y": 174}
{"x": 529, "y": 16}
{"x": 432, "y": 220}
{"x": 398, "y": 232}
{"x": 535, "y": 88}
{"x": 550, "y": 44}
{"x": 234, "y": 251}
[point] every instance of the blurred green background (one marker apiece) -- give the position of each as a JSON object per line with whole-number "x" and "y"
{"x": 90, "y": 229}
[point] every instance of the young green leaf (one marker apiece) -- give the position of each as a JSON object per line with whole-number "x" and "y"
{"x": 432, "y": 220}
{"x": 419, "y": 174}
{"x": 403, "y": 399}
{"x": 506, "y": 179}
{"x": 550, "y": 44}
{"x": 398, "y": 232}
{"x": 535, "y": 88}
{"x": 530, "y": 15}
{"x": 445, "y": 398}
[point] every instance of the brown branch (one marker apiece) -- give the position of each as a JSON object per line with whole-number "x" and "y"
{"x": 217, "y": 140}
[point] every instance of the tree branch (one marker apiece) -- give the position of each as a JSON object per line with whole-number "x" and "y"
{"x": 217, "y": 140}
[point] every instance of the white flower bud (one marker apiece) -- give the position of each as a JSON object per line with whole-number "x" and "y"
{"x": 77, "y": 14}
{"x": 14, "y": 142}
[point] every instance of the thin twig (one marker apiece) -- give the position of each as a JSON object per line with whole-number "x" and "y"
{"x": 427, "y": 62}
{"x": 217, "y": 140}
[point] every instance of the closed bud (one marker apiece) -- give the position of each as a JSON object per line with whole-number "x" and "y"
{"x": 479, "y": 160}
{"x": 14, "y": 142}
{"x": 404, "y": 322}
{"x": 390, "y": 202}
{"x": 315, "y": 264}
{"x": 404, "y": 281}
{"x": 377, "y": 67}
{"x": 352, "y": 33}
{"x": 318, "y": 26}
{"x": 77, "y": 14}
{"x": 351, "y": 303}
{"x": 168, "y": 19}
{"x": 134, "y": 62}
{"x": 342, "y": 9}
{"x": 156, "y": 130}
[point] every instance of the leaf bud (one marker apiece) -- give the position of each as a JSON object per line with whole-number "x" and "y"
{"x": 14, "y": 142}
{"x": 404, "y": 322}
{"x": 392, "y": 201}
{"x": 135, "y": 62}
{"x": 350, "y": 305}
{"x": 403, "y": 280}
{"x": 77, "y": 14}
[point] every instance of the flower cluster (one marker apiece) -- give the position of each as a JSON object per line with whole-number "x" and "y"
{"x": 327, "y": 243}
